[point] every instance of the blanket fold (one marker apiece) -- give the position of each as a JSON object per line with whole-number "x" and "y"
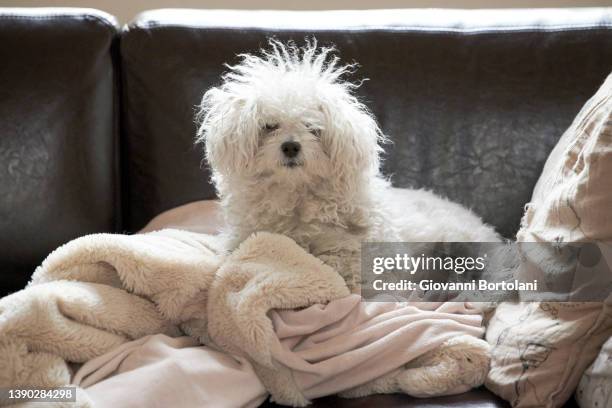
{"x": 269, "y": 302}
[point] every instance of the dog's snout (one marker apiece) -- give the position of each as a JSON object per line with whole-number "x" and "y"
{"x": 291, "y": 149}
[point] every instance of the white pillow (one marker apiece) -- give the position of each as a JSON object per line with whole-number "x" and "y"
{"x": 540, "y": 349}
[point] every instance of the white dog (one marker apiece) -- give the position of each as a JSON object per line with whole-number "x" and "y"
{"x": 293, "y": 151}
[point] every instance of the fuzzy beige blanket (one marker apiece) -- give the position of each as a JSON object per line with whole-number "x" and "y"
{"x": 101, "y": 291}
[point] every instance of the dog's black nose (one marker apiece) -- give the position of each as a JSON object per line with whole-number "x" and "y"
{"x": 291, "y": 149}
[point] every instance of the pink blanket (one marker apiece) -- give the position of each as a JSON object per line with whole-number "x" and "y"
{"x": 329, "y": 349}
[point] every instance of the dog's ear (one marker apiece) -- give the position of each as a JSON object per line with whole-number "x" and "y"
{"x": 352, "y": 137}
{"x": 229, "y": 130}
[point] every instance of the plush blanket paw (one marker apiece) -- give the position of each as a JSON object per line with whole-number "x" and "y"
{"x": 457, "y": 366}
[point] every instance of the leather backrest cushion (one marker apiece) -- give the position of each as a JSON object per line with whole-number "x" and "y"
{"x": 58, "y": 134}
{"x": 473, "y": 100}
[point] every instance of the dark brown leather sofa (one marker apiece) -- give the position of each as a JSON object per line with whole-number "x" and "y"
{"x": 97, "y": 122}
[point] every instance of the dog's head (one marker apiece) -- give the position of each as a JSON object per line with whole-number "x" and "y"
{"x": 288, "y": 116}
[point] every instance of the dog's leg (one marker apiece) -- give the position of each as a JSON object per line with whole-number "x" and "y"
{"x": 348, "y": 264}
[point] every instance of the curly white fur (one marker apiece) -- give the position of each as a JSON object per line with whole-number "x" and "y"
{"x": 331, "y": 196}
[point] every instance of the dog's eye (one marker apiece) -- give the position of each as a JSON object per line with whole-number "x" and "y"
{"x": 314, "y": 130}
{"x": 270, "y": 127}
